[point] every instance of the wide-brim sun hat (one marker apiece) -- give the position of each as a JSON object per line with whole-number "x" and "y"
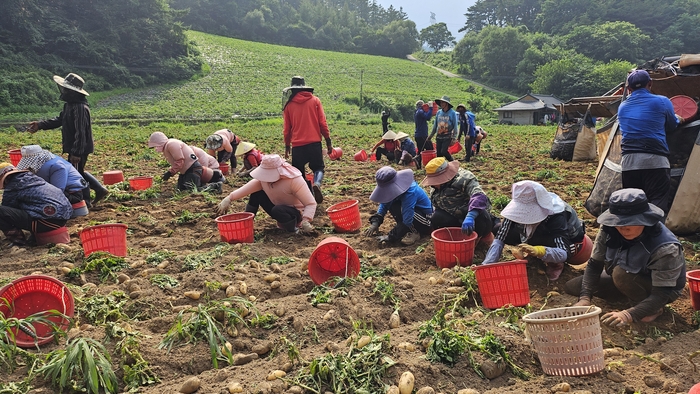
{"x": 462, "y": 106}
{"x": 272, "y": 168}
{"x": 531, "y": 203}
{"x": 400, "y": 135}
{"x": 445, "y": 99}
{"x": 214, "y": 142}
{"x": 630, "y": 207}
{"x": 391, "y": 184}
{"x": 244, "y": 147}
{"x": 5, "y": 170}
{"x": 389, "y": 135}
{"x": 71, "y": 81}
{"x": 298, "y": 83}
{"x": 439, "y": 170}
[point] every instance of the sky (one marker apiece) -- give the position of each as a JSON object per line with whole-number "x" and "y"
{"x": 449, "y": 11}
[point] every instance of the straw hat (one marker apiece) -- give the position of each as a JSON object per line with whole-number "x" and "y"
{"x": 389, "y": 135}
{"x": 630, "y": 207}
{"x": 439, "y": 170}
{"x": 298, "y": 83}
{"x": 391, "y": 184}
{"x": 72, "y": 82}
{"x": 531, "y": 203}
{"x": 400, "y": 135}
{"x": 272, "y": 168}
{"x": 244, "y": 147}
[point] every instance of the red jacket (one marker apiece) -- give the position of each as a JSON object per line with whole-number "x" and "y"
{"x": 304, "y": 120}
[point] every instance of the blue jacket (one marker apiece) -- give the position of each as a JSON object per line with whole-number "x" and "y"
{"x": 644, "y": 119}
{"x": 60, "y": 173}
{"x": 445, "y": 125}
{"x": 421, "y": 119}
{"x": 41, "y": 200}
{"x": 467, "y": 125}
{"x": 409, "y": 146}
{"x": 412, "y": 200}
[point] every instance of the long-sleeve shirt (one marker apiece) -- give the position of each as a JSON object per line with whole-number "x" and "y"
{"x": 76, "y": 128}
{"x": 179, "y": 155}
{"x": 445, "y": 125}
{"x": 644, "y": 119}
{"x": 38, "y": 198}
{"x": 409, "y": 146}
{"x": 460, "y": 195}
{"x": 62, "y": 174}
{"x": 229, "y": 144}
{"x": 411, "y": 200}
{"x": 421, "y": 119}
{"x": 304, "y": 120}
{"x": 204, "y": 158}
{"x": 291, "y": 192}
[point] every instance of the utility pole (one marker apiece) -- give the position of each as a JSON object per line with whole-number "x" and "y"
{"x": 361, "y": 73}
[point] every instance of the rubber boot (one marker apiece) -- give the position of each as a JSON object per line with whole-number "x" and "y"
{"x": 100, "y": 191}
{"x": 316, "y": 187}
{"x": 86, "y": 197}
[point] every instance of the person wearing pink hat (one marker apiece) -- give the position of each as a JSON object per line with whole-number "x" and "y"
{"x": 281, "y": 191}
{"x": 541, "y": 224}
{"x": 182, "y": 161}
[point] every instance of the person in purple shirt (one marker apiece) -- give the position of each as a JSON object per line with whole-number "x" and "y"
{"x": 644, "y": 120}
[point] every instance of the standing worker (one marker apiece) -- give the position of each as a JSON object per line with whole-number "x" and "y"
{"x": 644, "y": 120}
{"x": 421, "y": 117}
{"x": 467, "y": 127}
{"x": 304, "y": 125}
{"x": 446, "y": 128}
{"x": 76, "y": 130}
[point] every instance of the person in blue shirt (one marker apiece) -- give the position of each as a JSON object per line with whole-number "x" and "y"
{"x": 407, "y": 149}
{"x": 467, "y": 127}
{"x": 644, "y": 120}
{"x": 398, "y": 194}
{"x": 445, "y": 127}
{"x": 421, "y": 118}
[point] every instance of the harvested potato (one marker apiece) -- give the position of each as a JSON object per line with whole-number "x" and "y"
{"x": 193, "y": 295}
{"x": 276, "y": 374}
{"x": 243, "y": 288}
{"x": 363, "y": 341}
{"x": 234, "y": 387}
{"x": 406, "y": 383}
{"x": 191, "y": 385}
{"x": 394, "y": 320}
{"x": 425, "y": 390}
{"x": 269, "y": 278}
{"x": 392, "y": 390}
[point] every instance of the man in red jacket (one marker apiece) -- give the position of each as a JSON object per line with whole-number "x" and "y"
{"x": 304, "y": 125}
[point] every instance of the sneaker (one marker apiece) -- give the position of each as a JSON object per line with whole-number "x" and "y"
{"x": 410, "y": 238}
{"x": 554, "y": 270}
{"x": 318, "y": 196}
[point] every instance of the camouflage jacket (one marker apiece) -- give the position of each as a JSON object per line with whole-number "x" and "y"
{"x": 460, "y": 195}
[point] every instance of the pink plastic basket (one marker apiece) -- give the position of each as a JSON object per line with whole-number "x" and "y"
{"x": 110, "y": 238}
{"x": 236, "y": 228}
{"x": 453, "y": 247}
{"x": 345, "y": 216}
{"x": 34, "y": 294}
{"x": 503, "y": 283}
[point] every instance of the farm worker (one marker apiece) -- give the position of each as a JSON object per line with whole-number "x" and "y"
{"x": 405, "y": 149}
{"x": 458, "y": 198}
{"x": 58, "y": 172}
{"x": 389, "y": 148}
{"x": 445, "y": 126}
{"x": 644, "y": 120}
{"x": 635, "y": 256}
{"x": 304, "y": 126}
{"x": 76, "y": 131}
{"x": 223, "y": 144}
{"x": 421, "y": 117}
{"x": 251, "y": 157}
{"x": 398, "y": 194}
{"x": 182, "y": 161}
{"x": 541, "y": 224}
{"x": 29, "y": 203}
{"x": 385, "y": 120}
{"x": 281, "y": 191}
{"x": 467, "y": 127}
{"x": 480, "y": 135}
{"x": 210, "y": 166}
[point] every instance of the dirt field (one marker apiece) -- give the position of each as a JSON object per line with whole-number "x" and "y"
{"x": 644, "y": 358}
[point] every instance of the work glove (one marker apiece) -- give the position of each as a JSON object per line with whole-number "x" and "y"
{"x": 468, "y": 223}
{"x": 383, "y": 239}
{"x": 617, "y": 319}
{"x": 529, "y": 250}
{"x": 224, "y": 205}
{"x": 74, "y": 160}
{"x": 372, "y": 230}
{"x": 167, "y": 175}
{"x": 305, "y": 227}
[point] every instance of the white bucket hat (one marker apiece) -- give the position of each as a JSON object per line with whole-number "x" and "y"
{"x": 531, "y": 203}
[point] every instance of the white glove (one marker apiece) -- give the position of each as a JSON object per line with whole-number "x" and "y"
{"x": 305, "y": 227}
{"x": 224, "y": 205}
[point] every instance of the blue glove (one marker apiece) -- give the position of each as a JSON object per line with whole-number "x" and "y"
{"x": 468, "y": 223}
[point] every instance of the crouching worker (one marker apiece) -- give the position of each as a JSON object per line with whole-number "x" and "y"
{"x": 281, "y": 191}
{"x": 542, "y": 225}
{"x": 251, "y": 158}
{"x": 458, "y": 199}
{"x": 58, "y": 172}
{"x": 29, "y": 203}
{"x": 223, "y": 144}
{"x": 405, "y": 150}
{"x": 182, "y": 161}
{"x": 389, "y": 148}
{"x": 210, "y": 167}
{"x": 635, "y": 256}
{"x": 397, "y": 193}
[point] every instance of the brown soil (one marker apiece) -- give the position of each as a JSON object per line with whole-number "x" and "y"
{"x": 653, "y": 358}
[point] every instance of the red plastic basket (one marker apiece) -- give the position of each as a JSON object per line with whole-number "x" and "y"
{"x": 454, "y": 148}
{"x": 503, "y": 283}
{"x": 236, "y": 228}
{"x": 345, "y": 216}
{"x": 224, "y": 167}
{"x": 336, "y": 153}
{"x": 112, "y": 177}
{"x": 584, "y": 251}
{"x": 110, "y": 238}
{"x": 34, "y": 294}
{"x": 15, "y": 156}
{"x": 453, "y": 247}
{"x": 333, "y": 257}
{"x": 361, "y": 155}
{"x": 684, "y": 106}
{"x": 57, "y": 236}
{"x": 140, "y": 182}
{"x": 694, "y": 285}
{"x": 427, "y": 155}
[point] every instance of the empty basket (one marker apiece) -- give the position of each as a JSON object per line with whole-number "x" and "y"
{"x": 567, "y": 340}
{"x": 236, "y": 228}
{"x": 453, "y": 247}
{"x": 345, "y": 216}
{"x": 502, "y": 284}
{"x": 110, "y": 238}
